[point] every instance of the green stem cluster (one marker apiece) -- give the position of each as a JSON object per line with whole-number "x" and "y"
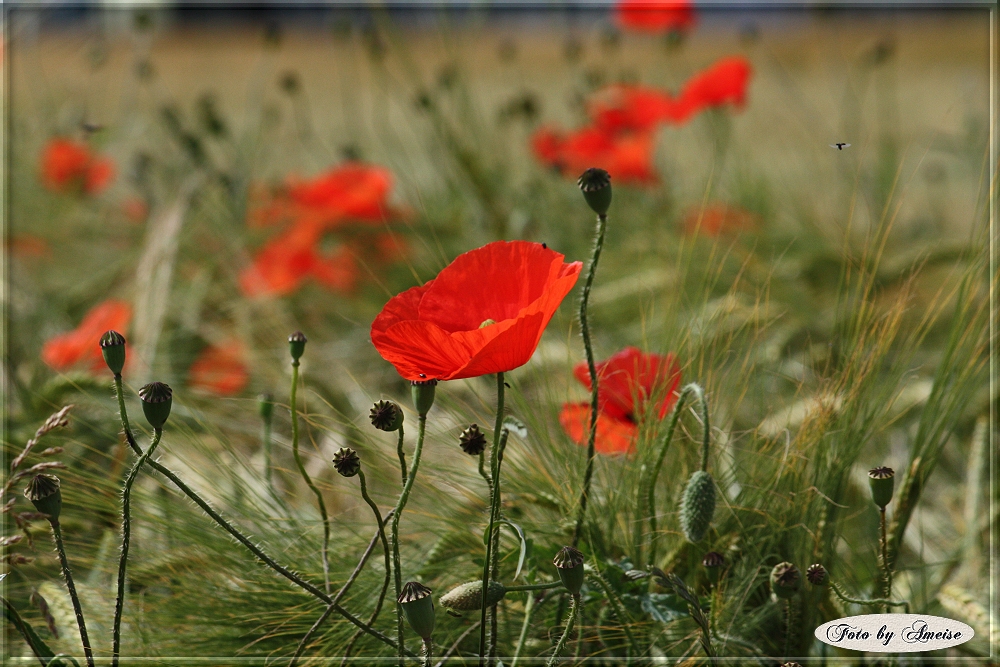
{"x": 394, "y": 539}
{"x": 496, "y": 459}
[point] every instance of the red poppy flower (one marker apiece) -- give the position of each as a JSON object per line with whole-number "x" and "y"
{"x": 620, "y": 107}
{"x": 288, "y": 260}
{"x": 655, "y": 16}
{"x": 627, "y": 381}
{"x": 28, "y": 245}
{"x": 484, "y": 313}
{"x": 351, "y": 191}
{"x": 67, "y": 165}
{"x": 83, "y": 343}
{"x": 220, "y": 369}
{"x": 718, "y": 219}
{"x": 725, "y": 82}
{"x": 627, "y": 156}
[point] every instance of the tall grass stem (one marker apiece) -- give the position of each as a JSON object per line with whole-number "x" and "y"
{"x": 68, "y": 576}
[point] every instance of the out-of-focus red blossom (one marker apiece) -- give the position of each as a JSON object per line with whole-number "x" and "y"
{"x": 287, "y": 260}
{"x": 627, "y": 156}
{"x": 135, "y": 210}
{"x": 627, "y": 381}
{"x": 718, "y": 220}
{"x": 655, "y": 16}
{"x": 220, "y": 369}
{"x": 725, "y": 82}
{"x": 28, "y": 245}
{"x": 83, "y": 343}
{"x": 623, "y": 107}
{"x": 68, "y": 165}
{"x": 484, "y": 313}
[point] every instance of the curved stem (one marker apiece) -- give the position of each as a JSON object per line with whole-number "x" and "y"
{"x": 385, "y": 545}
{"x": 595, "y": 255}
{"x": 534, "y": 587}
{"x": 126, "y": 535}
{"x": 68, "y": 576}
{"x": 482, "y": 472}
{"x": 570, "y": 620}
{"x": 618, "y": 609}
{"x": 401, "y": 454}
{"x": 870, "y": 603}
{"x": 499, "y": 441}
{"x": 305, "y": 475}
{"x": 397, "y": 513}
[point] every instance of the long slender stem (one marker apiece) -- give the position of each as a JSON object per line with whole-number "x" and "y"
{"x": 870, "y": 603}
{"x": 385, "y": 544}
{"x": 887, "y": 590}
{"x": 499, "y": 439}
{"x": 68, "y": 576}
{"x": 529, "y": 608}
{"x": 394, "y": 540}
{"x": 485, "y": 475}
{"x": 595, "y": 255}
{"x": 401, "y": 454}
{"x": 533, "y": 587}
{"x": 305, "y": 475}
{"x": 570, "y": 620}
{"x": 116, "y": 639}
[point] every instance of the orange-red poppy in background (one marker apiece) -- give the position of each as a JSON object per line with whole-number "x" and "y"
{"x": 655, "y": 16}
{"x": 484, "y": 313}
{"x": 82, "y": 345}
{"x": 68, "y": 165}
{"x": 627, "y": 156}
{"x": 220, "y": 369}
{"x": 627, "y": 382}
{"x": 725, "y": 82}
{"x": 718, "y": 220}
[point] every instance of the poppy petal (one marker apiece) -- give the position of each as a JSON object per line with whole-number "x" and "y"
{"x": 613, "y": 436}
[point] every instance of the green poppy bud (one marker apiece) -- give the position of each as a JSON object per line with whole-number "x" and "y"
{"x": 596, "y": 186}
{"x": 347, "y": 462}
{"x": 817, "y": 575}
{"x": 422, "y": 392}
{"x": 43, "y": 492}
{"x": 418, "y": 607}
{"x": 265, "y": 406}
{"x": 881, "y": 481}
{"x": 472, "y": 440}
{"x": 469, "y": 596}
{"x": 697, "y": 506}
{"x": 569, "y": 564}
{"x": 713, "y": 563}
{"x": 156, "y": 400}
{"x": 113, "y": 350}
{"x": 387, "y": 416}
{"x": 297, "y": 345}
{"x": 785, "y": 580}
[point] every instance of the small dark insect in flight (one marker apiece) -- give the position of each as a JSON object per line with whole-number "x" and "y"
{"x": 839, "y": 146}
{"x": 506, "y": 385}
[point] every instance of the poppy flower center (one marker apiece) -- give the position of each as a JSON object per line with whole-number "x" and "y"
{"x": 487, "y": 322}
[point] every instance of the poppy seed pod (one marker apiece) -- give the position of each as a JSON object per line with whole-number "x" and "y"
{"x": 113, "y": 351}
{"x": 713, "y": 563}
{"x": 156, "y": 400}
{"x": 697, "y": 506}
{"x": 265, "y": 406}
{"x": 469, "y": 596}
{"x": 596, "y": 186}
{"x": 297, "y": 345}
{"x": 422, "y": 392}
{"x": 472, "y": 440}
{"x": 43, "y": 492}
{"x": 569, "y": 564}
{"x": 785, "y": 580}
{"x": 881, "y": 481}
{"x": 386, "y": 416}
{"x": 347, "y": 462}
{"x": 418, "y": 608}
{"x": 817, "y": 575}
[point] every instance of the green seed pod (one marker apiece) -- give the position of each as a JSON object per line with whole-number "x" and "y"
{"x": 817, "y": 575}
{"x": 697, "y": 506}
{"x": 347, "y": 462}
{"x": 472, "y": 440}
{"x": 422, "y": 392}
{"x": 265, "y": 406}
{"x": 785, "y": 580}
{"x": 469, "y": 596}
{"x": 713, "y": 562}
{"x": 386, "y": 416}
{"x": 43, "y": 492}
{"x": 569, "y": 564}
{"x": 418, "y": 606}
{"x": 156, "y": 400}
{"x": 881, "y": 481}
{"x": 113, "y": 351}
{"x": 297, "y": 345}
{"x": 596, "y": 186}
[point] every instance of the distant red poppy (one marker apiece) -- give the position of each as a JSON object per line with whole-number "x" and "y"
{"x": 655, "y": 16}
{"x": 220, "y": 369}
{"x": 725, "y": 82}
{"x": 136, "y": 210}
{"x": 483, "y": 313}
{"x": 68, "y": 165}
{"x": 627, "y": 156}
{"x": 28, "y": 245}
{"x": 718, "y": 219}
{"x": 352, "y": 190}
{"x": 288, "y": 260}
{"x": 83, "y": 343}
{"x": 621, "y": 107}
{"x": 627, "y": 381}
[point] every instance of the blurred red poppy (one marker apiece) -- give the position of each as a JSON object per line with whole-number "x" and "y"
{"x": 83, "y": 343}
{"x": 220, "y": 369}
{"x": 68, "y": 165}
{"x": 627, "y": 381}
{"x": 28, "y": 245}
{"x": 627, "y": 156}
{"x": 717, "y": 220}
{"x": 286, "y": 261}
{"x": 655, "y": 16}
{"x": 483, "y": 313}
{"x": 725, "y": 82}
{"x": 352, "y": 190}
{"x": 136, "y": 210}
{"x": 621, "y": 107}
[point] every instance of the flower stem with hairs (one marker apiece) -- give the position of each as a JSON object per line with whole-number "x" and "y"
{"x": 68, "y": 576}
{"x": 870, "y": 603}
{"x": 570, "y": 620}
{"x": 887, "y": 570}
{"x": 401, "y": 454}
{"x": 499, "y": 441}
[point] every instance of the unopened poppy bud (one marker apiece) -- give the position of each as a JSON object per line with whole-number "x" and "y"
{"x": 469, "y": 596}
{"x": 785, "y": 580}
{"x": 881, "y": 481}
{"x": 113, "y": 351}
{"x": 297, "y": 345}
{"x": 422, "y": 392}
{"x": 472, "y": 440}
{"x": 596, "y": 186}
{"x": 569, "y": 564}
{"x": 713, "y": 562}
{"x": 386, "y": 416}
{"x": 347, "y": 462}
{"x": 418, "y": 606}
{"x": 156, "y": 400}
{"x": 697, "y": 506}
{"x": 817, "y": 575}
{"x": 265, "y": 406}
{"x": 43, "y": 492}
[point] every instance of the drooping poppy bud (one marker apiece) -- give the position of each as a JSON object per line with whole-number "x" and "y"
{"x": 472, "y": 440}
{"x": 713, "y": 563}
{"x": 156, "y": 400}
{"x": 113, "y": 350}
{"x": 817, "y": 575}
{"x": 569, "y": 564}
{"x": 469, "y": 596}
{"x": 596, "y": 186}
{"x": 697, "y": 506}
{"x": 43, "y": 492}
{"x": 418, "y": 606}
{"x": 881, "y": 480}
{"x": 785, "y": 580}
{"x": 386, "y": 416}
{"x": 347, "y": 462}
{"x": 297, "y": 344}
{"x": 422, "y": 392}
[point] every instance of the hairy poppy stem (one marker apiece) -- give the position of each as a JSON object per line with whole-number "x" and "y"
{"x": 402, "y": 454}
{"x": 887, "y": 591}
{"x": 397, "y": 513}
{"x": 68, "y": 576}
{"x": 570, "y": 620}
{"x": 496, "y": 458}
{"x": 116, "y": 638}
{"x": 595, "y": 255}
{"x": 870, "y": 603}
{"x": 305, "y": 475}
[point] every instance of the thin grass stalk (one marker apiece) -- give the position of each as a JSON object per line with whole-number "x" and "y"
{"x": 116, "y": 638}
{"x": 267, "y": 446}
{"x": 68, "y": 576}
{"x": 494, "y": 508}
{"x": 529, "y": 610}
{"x": 570, "y": 620}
